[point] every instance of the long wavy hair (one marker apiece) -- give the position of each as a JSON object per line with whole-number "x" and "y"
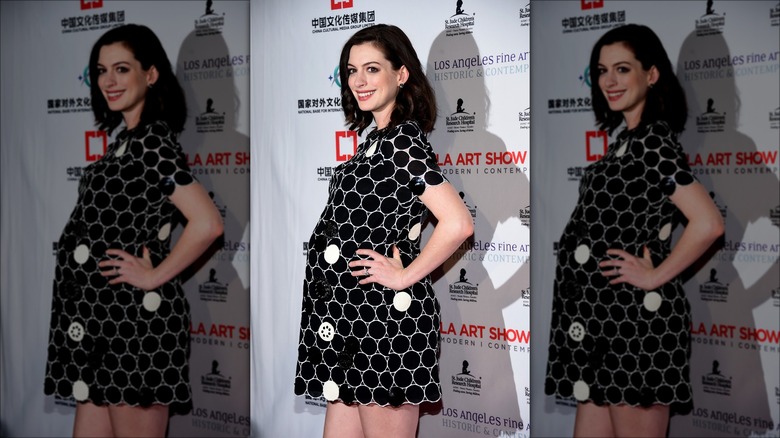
{"x": 415, "y": 101}
{"x": 164, "y": 100}
{"x": 665, "y": 99}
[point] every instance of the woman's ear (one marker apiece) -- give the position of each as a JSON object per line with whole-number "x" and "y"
{"x": 403, "y": 75}
{"x": 653, "y": 75}
{"x": 152, "y": 75}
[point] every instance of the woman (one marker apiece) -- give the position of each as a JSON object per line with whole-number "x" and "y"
{"x": 369, "y": 328}
{"x": 619, "y": 341}
{"x": 119, "y": 340}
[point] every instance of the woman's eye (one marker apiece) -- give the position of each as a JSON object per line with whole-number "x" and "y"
{"x": 100, "y": 70}
{"x": 601, "y": 71}
{"x": 122, "y": 69}
{"x": 372, "y": 69}
{"x": 623, "y": 69}
{"x": 350, "y": 71}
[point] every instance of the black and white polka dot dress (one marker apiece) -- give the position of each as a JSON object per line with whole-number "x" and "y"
{"x": 116, "y": 344}
{"x": 367, "y": 343}
{"x": 618, "y": 344}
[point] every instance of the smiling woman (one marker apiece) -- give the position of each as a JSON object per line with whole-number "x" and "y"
{"x": 119, "y": 332}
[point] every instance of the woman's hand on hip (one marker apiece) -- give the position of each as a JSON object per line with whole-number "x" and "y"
{"x": 389, "y": 272}
{"x": 127, "y": 268}
{"x": 630, "y": 269}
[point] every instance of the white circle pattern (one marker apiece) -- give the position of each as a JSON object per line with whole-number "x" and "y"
{"x": 99, "y": 331}
{"x": 383, "y": 345}
{"x": 604, "y": 331}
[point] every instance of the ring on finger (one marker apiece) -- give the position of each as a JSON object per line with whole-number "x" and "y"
{"x": 365, "y": 272}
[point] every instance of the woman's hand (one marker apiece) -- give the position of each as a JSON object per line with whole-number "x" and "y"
{"x": 389, "y": 272}
{"x": 130, "y": 269}
{"x": 630, "y": 269}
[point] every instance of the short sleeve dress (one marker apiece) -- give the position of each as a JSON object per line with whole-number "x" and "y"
{"x": 117, "y": 344}
{"x": 368, "y": 344}
{"x": 618, "y": 344}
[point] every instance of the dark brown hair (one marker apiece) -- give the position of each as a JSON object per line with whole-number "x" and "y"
{"x": 415, "y": 101}
{"x": 665, "y": 99}
{"x": 164, "y": 100}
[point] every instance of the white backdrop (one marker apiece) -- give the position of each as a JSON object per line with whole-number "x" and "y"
{"x": 47, "y": 136}
{"x": 478, "y": 63}
{"x": 727, "y": 61}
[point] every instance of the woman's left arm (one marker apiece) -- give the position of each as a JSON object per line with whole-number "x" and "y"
{"x": 453, "y": 227}
{"x": 204, "y": 225}
{"x": 705, "y": 224}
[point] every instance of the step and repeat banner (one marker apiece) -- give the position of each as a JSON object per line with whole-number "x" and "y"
{"x": 476, "y": 56}
{"x": 48, "y": 137}
{"x": 726, "y": 57}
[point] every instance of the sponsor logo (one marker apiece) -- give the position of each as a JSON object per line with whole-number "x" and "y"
{"x": 213, "y": 290}
{"x": 730, "y": 423}
{"x": 527, "y": 395}
{"x": 214, "y": 382}
{"x": 525, "y": 296}
{"x": 92, "y": 21}
{"x": 341, "y": 4}
{"x": 346, "y": 145}
{"x": 775, "y": 296}
{"x": 91, "y": 4}
{"x": 61, "y": 401}
{"x": 319, "y": 105}
{"x": 740, "y": 337}
{"x": 774, "y": 15}
{"x": 210, "y": 120}
{"x": 218, "y": 67}
{"x": 481, "y": 423}
{"x": 774, "y": 118}
{"x": 524, "y": 117}
{"x": 84, "y": 77}
{"x": 227, "y": 423}
{"x": 715, "y": 382}
{"x": 95, "y": 145}
{"x": 774, "y": 216}
{"x": 210, "y": 23}
{"x": 585, "y": 77}
{"x": 218, "y": 163}
{"x": 591, "y": 4}
{"x": 525, "y": 15}
{"x": 711, "y": 120}
{"x": 461, "y": 120}
{"x": 463, "y": 290}
{"x": 494, "y": 163}
{"x": 486, "y": 337}
{"x": 721, "y": 67}
{"x": 465, "y": 382}
{"x": 68, "y": 105}
{"x": 525, "y": 215}
{"x": 461, "y": 22}
{"x": 566, "y": 105}
{"x": 344, "y": 21}
{"x": 593, "y": 21}
{"x": 492, "y": 251}
{"x": 478, "y": 66}
{"x": 220, "y": 335}
{"x": 710, "y": 23}
{"x": 737, "y": 162}
{"x": 714, "y": 290}
{"x": 335, "y": 77}
{"x": 748, "y": 251}
{"x": 595, "y": 145}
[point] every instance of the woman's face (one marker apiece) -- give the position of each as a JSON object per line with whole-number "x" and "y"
{"x": 374, "y": 82}
{"x": 624, "y": 82}
{"x": 123, "y": 81}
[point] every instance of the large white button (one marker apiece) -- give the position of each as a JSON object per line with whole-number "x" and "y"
{"x": 576, "y": 331}
{"x": 665, "y": 231}
{"x": 652, "y": 301}
{"x": 80, "y": 390}
{"x": 326, "y": 331}
{"x": 402, "y": 301}
{"x": 164, "y": 232}
{"x": 581, "y": 390}
{"x": 76, "y": 331}
{"x": 331, "y": 254}
{"x": 152, "y": 301}
{"x": 330, "y": 390}
{"x": 81, "y": 254}
{"x": 582, "y": 254}
{"x": 414, "y": 232}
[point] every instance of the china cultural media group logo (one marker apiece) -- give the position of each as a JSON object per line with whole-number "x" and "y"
{"x": 346, "y": 145}
{"x": 595, "y": 145}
